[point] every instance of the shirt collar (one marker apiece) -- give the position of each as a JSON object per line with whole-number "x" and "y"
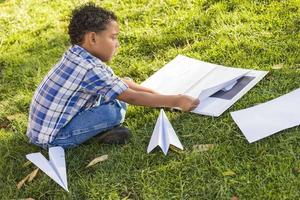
{"x": 82, "y": 52}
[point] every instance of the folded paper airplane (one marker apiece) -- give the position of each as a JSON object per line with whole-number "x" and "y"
{"x": 163, "y": 135}
{"x": 217, "y": 87}
{"x": 55, "y": 168}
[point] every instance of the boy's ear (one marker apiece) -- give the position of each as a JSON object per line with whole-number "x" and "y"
{"x": 90, "y": 37}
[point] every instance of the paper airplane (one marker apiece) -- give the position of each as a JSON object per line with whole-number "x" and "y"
{"x": 163, "y": 135}
{"x": 55, "y": 168}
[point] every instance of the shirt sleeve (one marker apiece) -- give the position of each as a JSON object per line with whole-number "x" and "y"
{"x": 99, "y": 80}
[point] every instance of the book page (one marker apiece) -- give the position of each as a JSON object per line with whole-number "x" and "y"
{"x": 178, "y": 76}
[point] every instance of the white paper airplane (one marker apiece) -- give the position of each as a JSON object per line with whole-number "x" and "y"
{"x": 163, "y": 135}
{"x": 55, "y": 168}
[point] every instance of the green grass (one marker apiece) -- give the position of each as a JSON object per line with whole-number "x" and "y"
{"x": 249, "y": 34}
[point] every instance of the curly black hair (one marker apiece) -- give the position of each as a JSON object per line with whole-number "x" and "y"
{"x": 88, "y": 18}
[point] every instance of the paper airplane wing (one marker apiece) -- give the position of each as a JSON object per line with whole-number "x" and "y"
{"x": 57, "y": 159}
{"x": 170, "y": 132}
{"x": 156, "y": 135}
{"x": 41, "y": 162}
{"x": 164, "y": 132}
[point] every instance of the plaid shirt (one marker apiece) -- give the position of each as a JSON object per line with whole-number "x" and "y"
{"x": 74, "y": 84}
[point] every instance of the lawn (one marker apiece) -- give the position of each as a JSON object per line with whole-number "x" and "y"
{"x": 256, "y": 34}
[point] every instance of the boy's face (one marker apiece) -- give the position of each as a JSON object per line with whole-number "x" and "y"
{"x": 105, "y": 43}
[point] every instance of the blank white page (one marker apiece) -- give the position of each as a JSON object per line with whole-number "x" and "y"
{"x": 268, "y": 118}
{"x": 178, "y": 76}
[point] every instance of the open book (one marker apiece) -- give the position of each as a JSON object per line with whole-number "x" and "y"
{"x": 216, "y": 86}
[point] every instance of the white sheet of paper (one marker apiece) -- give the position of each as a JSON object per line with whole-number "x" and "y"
{"x": 177, "y": 76}
{"x": 200, "y": 80}
{"x": 55, "y": 168}
{"x": 268, "y": 118}
{"x": 163, "y": 135}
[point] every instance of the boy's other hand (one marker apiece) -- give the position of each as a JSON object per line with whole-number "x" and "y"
{"x": 187, "y": 103}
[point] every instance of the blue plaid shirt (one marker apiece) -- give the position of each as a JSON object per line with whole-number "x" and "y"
{"x": 74, "y": 84}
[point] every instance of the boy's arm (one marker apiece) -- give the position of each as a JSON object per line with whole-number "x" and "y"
{"x": 142, "y": 98}
{"x": 134, "y": 86}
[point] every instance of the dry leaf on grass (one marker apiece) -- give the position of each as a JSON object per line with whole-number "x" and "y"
{"x": 33, "y": 174}
{"x": 234, "y": 198}
{"x": 27, "y": 163}
{"x": 203, "y": 147}
{"x": 21, "y": 183}
{"x": 175, "y": 149}
{"x": 278, "y": 66}
{"x": 28, "y": 178}
{"x": 228, "y": 173}
{"x": 97, "y": 160}
{"x": 14, "y": 117}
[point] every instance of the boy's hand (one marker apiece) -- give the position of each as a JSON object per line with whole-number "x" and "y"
{"x": 147, "y": 98}
{"x": 187, "y": 103}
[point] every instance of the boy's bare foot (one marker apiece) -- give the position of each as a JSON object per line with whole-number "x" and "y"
{"x": 117, "y": 135}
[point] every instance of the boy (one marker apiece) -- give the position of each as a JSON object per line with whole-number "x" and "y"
{"x": 80, "y": 97}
